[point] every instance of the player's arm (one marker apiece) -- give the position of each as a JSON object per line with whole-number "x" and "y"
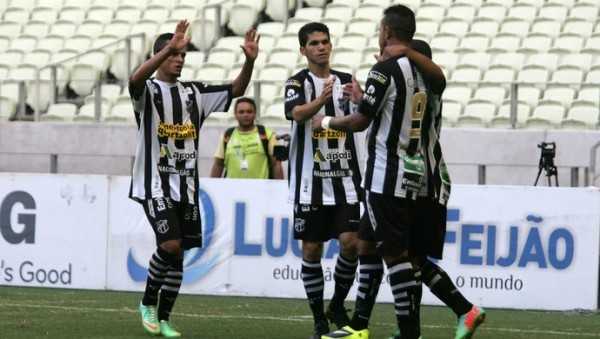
{"x": 369, "y": 103}
{"x": 296, "y": 108}
{"x": 250, "y": 48}
{"x": 276, "y": 167}
{"x": 179, "y": 41}
{"x": 217, "y": 168}
{"x": 431, "y": 71}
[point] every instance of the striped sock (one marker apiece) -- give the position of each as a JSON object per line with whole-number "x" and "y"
{"x": 170, "y": 288}
{"x": 442, "y": 287}
{"x": 370, "y": 274}
{"x": 156, "y": 273}
{"x": 345, "y": 271}
{"x": 405, "y": 288}
{"x": 312, "y": 277}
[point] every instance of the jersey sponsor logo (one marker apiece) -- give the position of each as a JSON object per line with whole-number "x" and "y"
{"x": 160, "y": 204}
{"x": 328, "y": 134}
{"x": 162, "y": 226}
{"x": 177, "y": 131}
{"x": 332, "y": 155}
{"x": 332, "y": 173}
{"x": 377, "y": 76}
{"x": 368, "y": 95}
{"x": 184, "y": 172}
{"x": 293, "y": 82}
{"x": 165, "y": 152}
{"x": 291, "y": 95}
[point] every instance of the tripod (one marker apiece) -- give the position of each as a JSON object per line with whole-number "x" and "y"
{"x": 547, "y": 163}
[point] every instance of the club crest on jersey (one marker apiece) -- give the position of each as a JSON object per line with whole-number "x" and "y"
{"x": 299, "y": 225}
{"x": 368, "y": 95}
{"x": 177, "y": 131}
{"x": 162, "y": 226}
{"x": 377, "y": 76}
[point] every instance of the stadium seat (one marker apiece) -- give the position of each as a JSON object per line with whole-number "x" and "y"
{"x": 515, "y": 26}
{"x": 351, "y": 41}
{"x": 451, "y": 110}
{"x": 529, "y": 94}
{"x": 347, "y": 57}
{"x": 87, "y": 113}
{"x": 241, "y": 18}
{"x": 101, "y": 14}
{"x": 24, "y": 43}
{"x": 309, "y": 13}
{"x": 156, "y": 12}
{"x": 502, "y": 119}
{"x": 544, "y": 60}
{"x": 60, "y": 112}
{"x": 294, "y": 26}
{"x": 546, "y": 26}
{"x": 109, "y": 92}
{"x": 78, "y": 42}
{"x": 445, "y": 42}
{"x": 428, "y": 28}
{"x": 582, "y": 114}
{"x": 477, "y": 59}
{"x": 561, "y": 93}
{"x": 361, "y": 26}
{"x": 476, "y": 41}
{"x": 493, "y": 93}
{"x": 16, "y": 14}
{"x": 167, "y": 3}
{"x": 121, "y": 113}
{"x": 524, "y": 12}
{"x": 535, "y": 3}
{"x": 274, "y": 113}
{"x": 4, "y": 69}
{"x": 51, "y": 42}
{"x": 64, "y": 28}
{"x": 277, "y": 9}
{"x": 90, "y": 28}
{"x": 355, "y": 3}
{"x": 270, "y": 28}
{"x": 538, "y": 42}
{"x": 579, "y": 27}
{"x": 573, "y": 42}
{"x": 7, "y": 108}
{"x": 10, "y": 28}
{"x": 279, "y": 56}
{"x": 44, "y": 14}
{"x": 467, "y": 74}
{"x": 4, "y": 42}
{"x": 287, "y": 41}
{"x": 118, "y": 63}
{"x": 37, "y": 57}
{"x": 585, "y": 12}
{"x": 202, "y": 42}
{"x": 589, "y": 94}
{"x": 533, "y": 74}
{"x": 448, "y": 60}
{"x": 554, "y": 12}
{"x": 464, "y": 11}
{"x": 128, "y": 12}
{"x": 336, "y": 27}
{"x": 180, "y": 12}
{"x": 74, "y": 14}
{"x": 429, "y": 12}
{"x": 454, "y": 26}
{"x": 78, "y": 3}
{"x": 458, "y": 93}
{"x": 222, "y": 56}
{"x": 83, "y": 78}
{"x": 231, "y": 43}
{"x": 443, "y": 3}
{"x": 547, "y": 114}
{"x": 506, "y": 41}
{"x": 567, "y": 75}
{"x": 64, "y": 54}
{"x": 511, "y": 59}
{"x": 338, "y": 11}
{"x": 211, "y": 73}
{"x": 49, "y": 3}
{"x": 491, "y": 11}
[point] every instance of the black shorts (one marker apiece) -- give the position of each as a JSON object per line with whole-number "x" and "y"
{"x": 388, "y": 221}
{"x": 431, "y": 228}
{"x": 322, "y": 223}
{"x": 173, "y": 220}
{"x": 401, "y": 225}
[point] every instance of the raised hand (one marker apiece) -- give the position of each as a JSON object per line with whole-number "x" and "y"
{"x": 250, "y": 46}
{"x": 327, "y": 90}
{"x": 353, "y": 91}
{"x": 179, "y": 40}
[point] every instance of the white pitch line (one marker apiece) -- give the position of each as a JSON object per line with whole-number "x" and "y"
{"x": 301, "y": 318}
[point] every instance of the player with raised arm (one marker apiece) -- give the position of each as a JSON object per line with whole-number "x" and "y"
{"x": 169, "y": 114}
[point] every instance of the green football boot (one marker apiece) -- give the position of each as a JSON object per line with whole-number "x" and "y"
{"x": 167, "y": 331}
{"x": 149, "y": 319}
{"x": 468, "y": 323}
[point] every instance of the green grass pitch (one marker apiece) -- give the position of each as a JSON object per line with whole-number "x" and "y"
{"x": 54, "y": 313}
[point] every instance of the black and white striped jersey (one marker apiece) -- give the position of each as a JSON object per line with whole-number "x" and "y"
{"x": 395, "y": 98}
{"x": 169, "y": 117}
{"x": 323, "y": 166}
{"x": 437, "y": 183}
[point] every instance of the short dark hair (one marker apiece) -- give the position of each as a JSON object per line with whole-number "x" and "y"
{"x": 401, "y": 21}
{"x": 421, "y": 47}
{"x": 245, "y": 99}
{"x": 161, "y": 42}
{"x": 309, "y": 28}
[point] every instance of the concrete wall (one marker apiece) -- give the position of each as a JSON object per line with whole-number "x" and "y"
{"x": 510, "y": 156}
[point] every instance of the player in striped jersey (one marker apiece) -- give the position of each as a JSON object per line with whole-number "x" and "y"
{"x": 169, "y": 114}
{"x": 393, "y": 107}
{"x": 324, "y": 175}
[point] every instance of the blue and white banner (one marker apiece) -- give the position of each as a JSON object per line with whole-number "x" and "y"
{"x": 513, "y": 247}
{"x": 53, "y": 230}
